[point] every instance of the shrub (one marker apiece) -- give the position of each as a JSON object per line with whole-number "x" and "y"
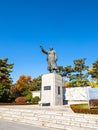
{"x": 35, "y": 100}
{"x": 93, "y": 103}
{"x": 29, "y": 97}
{"x": 77, "y": 109}
{"x": 21, "y": 100}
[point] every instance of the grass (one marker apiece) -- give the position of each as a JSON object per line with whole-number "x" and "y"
{"x": 83, "y": 108}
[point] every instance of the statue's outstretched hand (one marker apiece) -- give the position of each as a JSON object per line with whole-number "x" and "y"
{"x": 41, "y": 46}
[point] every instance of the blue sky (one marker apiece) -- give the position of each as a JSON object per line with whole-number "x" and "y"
{"x": 69, "y": 26}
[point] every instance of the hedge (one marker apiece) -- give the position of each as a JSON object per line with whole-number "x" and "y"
{"x": 75, "y": 108}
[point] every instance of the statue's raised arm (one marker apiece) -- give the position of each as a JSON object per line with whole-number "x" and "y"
{"x": 43, "y": 50}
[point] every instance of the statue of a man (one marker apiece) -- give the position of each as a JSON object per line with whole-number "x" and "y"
{"x": 51, "y": 59}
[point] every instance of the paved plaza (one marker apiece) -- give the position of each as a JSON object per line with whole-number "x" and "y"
{"x": 6, "y": 125}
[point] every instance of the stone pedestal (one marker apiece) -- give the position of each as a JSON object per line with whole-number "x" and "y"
{"x": 51, "y": 93}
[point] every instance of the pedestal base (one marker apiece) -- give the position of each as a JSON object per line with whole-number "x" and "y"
{"x": 51, "y": 93}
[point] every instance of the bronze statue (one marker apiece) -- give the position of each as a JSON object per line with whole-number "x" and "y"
{"x": 51, "y": 59}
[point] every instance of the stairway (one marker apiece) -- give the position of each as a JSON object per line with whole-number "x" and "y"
{"x": 59, "y": 117}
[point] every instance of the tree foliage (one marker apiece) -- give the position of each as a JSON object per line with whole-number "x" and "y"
{"x": 77, "y": 74}
{"x": 23, "y": 84}
{"x": 36, "y": 84}
{"x": 14, "y": 93}
{"x": 93, "y": 71}
{"x": 65, "y": 71}
{"x": 79, "y": 69}
{"x": 80, "y": 74}
{"x": 5, "y": 79}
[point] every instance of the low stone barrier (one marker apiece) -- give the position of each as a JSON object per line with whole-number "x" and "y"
{"x": 76, "y": 93}
{"x": 58, "y": 118}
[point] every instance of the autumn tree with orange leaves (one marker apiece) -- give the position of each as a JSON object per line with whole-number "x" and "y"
{"x": 23, "y": 84}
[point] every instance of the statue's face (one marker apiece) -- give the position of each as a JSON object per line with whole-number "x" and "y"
{"x": 51, "y": 49}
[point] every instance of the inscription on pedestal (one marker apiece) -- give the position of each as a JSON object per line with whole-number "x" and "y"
{"x": 47, "y": 87}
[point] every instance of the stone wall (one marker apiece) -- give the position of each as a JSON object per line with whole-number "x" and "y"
{"x": 75, "y": 94}
{"x": 36, "y": 93}
{"x": 51, "y": 118}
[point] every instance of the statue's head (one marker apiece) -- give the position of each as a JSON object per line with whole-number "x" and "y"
{"x": 51, "y": 48}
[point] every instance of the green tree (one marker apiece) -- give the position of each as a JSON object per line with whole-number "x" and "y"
{"x": 65, "y": 71}
{"x": 14, "y": 93}
{"x": 93, "y": 71}
{"x": 5, "y": 79}
{"x": 79, "y": 77}
{"x": 36, "y": 84}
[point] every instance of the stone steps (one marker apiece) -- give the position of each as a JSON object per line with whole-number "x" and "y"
{"x": 61, "y": 118}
